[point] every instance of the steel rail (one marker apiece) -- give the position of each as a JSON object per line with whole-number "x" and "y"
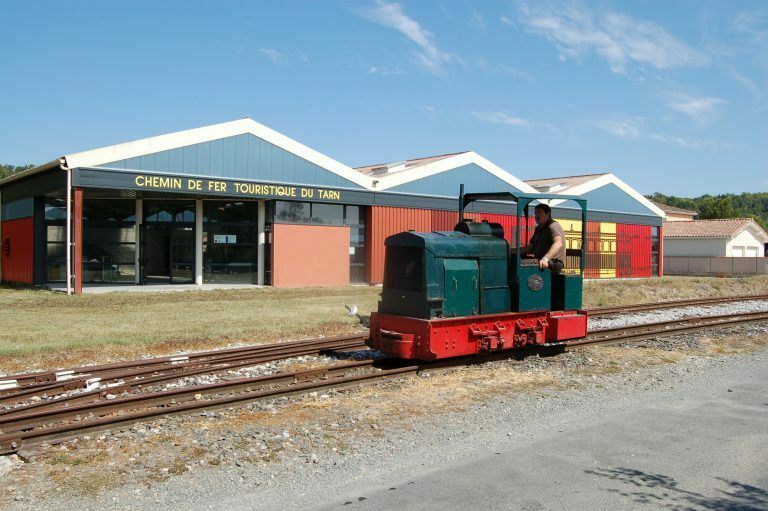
{"x": 177, "y": 367}
{"x": 649, "y": 306}
{"x": 138, "y": 383}
{"x": 43, "y": 427}
{"x": 41, "y": 377}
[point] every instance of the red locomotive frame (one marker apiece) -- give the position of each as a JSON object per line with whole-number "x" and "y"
{"x": 431, "y": 339}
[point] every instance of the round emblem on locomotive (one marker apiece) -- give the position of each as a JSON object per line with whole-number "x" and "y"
{"x": 535, "y": 282}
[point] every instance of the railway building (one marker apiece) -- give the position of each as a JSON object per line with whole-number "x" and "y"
{"x": 240, "y": 203}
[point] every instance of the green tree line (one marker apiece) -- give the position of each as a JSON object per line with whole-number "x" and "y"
{"x": 7, "y": 170}
{"x": 745, "y": 205}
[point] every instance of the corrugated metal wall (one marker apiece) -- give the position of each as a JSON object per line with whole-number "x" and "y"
{"x": 613, "y": 249}
{"x": 242, "y": 156}
{"x": 17, "y": 260}
{"x": 633, "y": 256}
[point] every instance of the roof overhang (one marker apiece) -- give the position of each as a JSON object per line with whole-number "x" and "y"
{"x": 53, "y": 164}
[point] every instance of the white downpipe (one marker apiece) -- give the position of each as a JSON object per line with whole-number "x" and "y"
{"x": 261, "y": 225}
{"x": 62, "y": 164}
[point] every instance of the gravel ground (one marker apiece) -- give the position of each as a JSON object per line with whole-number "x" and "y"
{"x": 503, "y": 423}
{"x": 274, "y": 465}
{"x": 681, "y": 313}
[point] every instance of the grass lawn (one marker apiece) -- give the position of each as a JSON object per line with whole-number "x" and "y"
{"x": 46, "y": 329}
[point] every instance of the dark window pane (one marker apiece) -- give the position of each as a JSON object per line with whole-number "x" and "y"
{"x": 225, "y": 211}
{"x": 404, "y": 268}
{"x": 55, "y": 209}
{"x": 352, "y": 215}
{"x": 169, "y": 211}
{"x": 331, "y": 214}
{"x": 292, "y": 212}
{"x": 56, "y": 233}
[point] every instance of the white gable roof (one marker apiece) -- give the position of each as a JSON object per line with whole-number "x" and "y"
{"x": 96, "y": 157}
{"x": 445, "y": 164}
{"x": 601, "y": 180}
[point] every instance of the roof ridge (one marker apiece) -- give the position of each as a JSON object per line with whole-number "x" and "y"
{"x": 567, "y": 177}
{"x": 411, "y": 159}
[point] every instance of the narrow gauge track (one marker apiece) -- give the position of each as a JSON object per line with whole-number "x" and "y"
{"x": 14, "y": 386}
{"x": 37, "y": 426}
{"x": 641, "y": 307}
{"x": 98, "y": 380}
{"x": 119, "y": 376}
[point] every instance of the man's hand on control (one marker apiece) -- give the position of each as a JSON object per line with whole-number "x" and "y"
{"x": 544, "y": 263}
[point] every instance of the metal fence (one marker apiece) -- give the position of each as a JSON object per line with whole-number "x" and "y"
{"x": 716, "y": 266}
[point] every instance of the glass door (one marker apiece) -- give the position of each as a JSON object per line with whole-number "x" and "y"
{"x": 169, "y": 246}
{"x": 182, "y": 254}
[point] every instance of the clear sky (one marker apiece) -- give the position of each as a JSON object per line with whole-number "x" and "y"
{"x": 671, "y": 96}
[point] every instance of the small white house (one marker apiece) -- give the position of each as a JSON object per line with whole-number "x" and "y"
{"x": 729, "y": 237}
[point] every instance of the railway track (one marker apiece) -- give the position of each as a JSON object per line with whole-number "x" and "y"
{"x": 47, "y": 383}
{"x": 120, "y": 376}
{"x": 642, "y": 307}
{"x": 28, "y": 427}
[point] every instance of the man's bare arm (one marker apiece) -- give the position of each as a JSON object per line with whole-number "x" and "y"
{"x": 557, "y": 244}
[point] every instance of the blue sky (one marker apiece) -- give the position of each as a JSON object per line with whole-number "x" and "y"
{"x": 670, "y": 96}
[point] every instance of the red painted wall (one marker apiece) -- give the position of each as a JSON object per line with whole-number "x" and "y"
{"x": 310, "y": 255}
{"x": 384, "y": 221}
{"x": 633, "y": 255}
{"x": 633, "y": 241}
{"x": 18, "y": 265}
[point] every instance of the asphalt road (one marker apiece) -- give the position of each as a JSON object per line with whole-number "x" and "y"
{"x": 706, "y": 449}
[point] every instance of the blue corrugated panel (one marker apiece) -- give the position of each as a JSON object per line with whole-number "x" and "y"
{"x": 612, "y": 198}
{"x": 17, "y": 209}
{"x": 242, "y": 156}
{"x": 474, "y": 178}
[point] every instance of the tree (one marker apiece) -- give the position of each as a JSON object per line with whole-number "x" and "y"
{"x": 745, "y": 205}
{"x": 6, "y": 170}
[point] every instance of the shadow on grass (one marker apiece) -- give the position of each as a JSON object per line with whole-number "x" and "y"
{"x": 665, "y": 492}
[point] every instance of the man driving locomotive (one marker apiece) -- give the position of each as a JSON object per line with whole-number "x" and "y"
{"x": 548, "y": 241}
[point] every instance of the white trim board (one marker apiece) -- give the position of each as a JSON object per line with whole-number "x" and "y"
{"x": 124, "y": 151}
{"x": 446, "y": 164}
{"x": 606, "y": 179}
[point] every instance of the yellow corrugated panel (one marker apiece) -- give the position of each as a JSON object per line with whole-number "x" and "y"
{"x": 569, "y": 225}
{"x": 607, "y": 237}
{"x": 607, "y": 273}
{"x": 572, "y": 230}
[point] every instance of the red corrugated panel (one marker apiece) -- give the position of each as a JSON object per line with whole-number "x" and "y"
{"x": 625, "y": 242}
{"x": 443, "y": 220}
{"x": 641, "y": 254}
{"x": 384, "y": 221}
{"x": 634, "y": 250}
{"x": 17, "y": 264}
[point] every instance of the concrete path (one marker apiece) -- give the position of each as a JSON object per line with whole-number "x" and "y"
{"x": 706, "y": 450}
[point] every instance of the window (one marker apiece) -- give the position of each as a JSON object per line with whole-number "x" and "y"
{"x": 56, "y": 240}
{"x": 404, "y": 270}
{"x": 109, "y": 240}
